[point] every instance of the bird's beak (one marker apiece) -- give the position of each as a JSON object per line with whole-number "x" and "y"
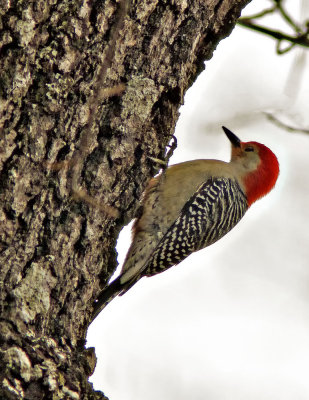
{"x": 232, "y": 137}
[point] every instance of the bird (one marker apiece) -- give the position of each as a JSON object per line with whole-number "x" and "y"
{"x": 188, "y": 207}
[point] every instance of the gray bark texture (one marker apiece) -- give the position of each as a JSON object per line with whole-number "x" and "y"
{"x": 89, "y": 90}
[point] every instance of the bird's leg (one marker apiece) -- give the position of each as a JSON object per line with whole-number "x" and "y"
{"x": 164, "y": 163}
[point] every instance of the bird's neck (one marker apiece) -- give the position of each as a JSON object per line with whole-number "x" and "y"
{"x": 260, "y": 181}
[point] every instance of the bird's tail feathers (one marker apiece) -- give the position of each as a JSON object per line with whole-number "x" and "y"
{"x": 106, "y": 296}
{"x": 114, "y": 289}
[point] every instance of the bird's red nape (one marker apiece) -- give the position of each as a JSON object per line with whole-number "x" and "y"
{"x": 261, "y": 181}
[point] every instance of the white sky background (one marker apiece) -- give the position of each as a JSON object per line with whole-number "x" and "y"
{"x": 231, "y": 321}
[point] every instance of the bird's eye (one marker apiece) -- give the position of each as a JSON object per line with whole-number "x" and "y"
{"x": 249, "y": 148}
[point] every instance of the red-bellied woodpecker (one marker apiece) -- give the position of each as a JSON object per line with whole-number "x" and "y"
{"x": 190, "y": 206}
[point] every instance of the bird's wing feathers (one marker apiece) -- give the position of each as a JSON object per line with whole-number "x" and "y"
{"x": 214, "y": 209}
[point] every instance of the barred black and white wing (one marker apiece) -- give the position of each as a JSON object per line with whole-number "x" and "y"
{"x": 214, "y": 209}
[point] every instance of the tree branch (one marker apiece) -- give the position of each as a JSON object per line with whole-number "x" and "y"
{"x": 300, "y": 38}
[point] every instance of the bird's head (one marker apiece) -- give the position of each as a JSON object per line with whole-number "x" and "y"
{"x": 255, "y": 165}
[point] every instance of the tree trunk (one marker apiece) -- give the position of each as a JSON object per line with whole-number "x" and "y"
{"x": 89, "y": 90}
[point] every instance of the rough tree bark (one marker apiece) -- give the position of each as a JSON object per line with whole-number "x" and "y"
{"x": 88, "y": 91}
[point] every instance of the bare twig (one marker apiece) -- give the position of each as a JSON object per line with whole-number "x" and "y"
{"x": 285, "y": 126}
{"x": 288, "y": 19}
{"x": 262, "y": 13}
{"x": 164, "y": 163}
{"x": 280, "y": 50}
{"x": 301, "y": 40}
